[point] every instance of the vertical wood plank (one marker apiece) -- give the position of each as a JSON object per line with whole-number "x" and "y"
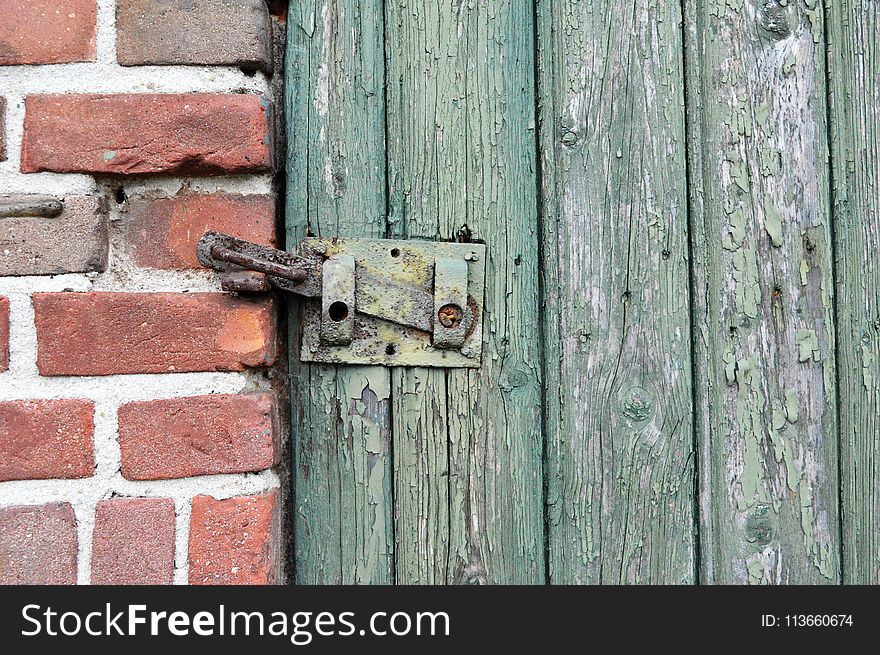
{"x": 854, "y": 74}
{"x": 619, "y": 407}
{"x": 764, "y": 346}
{"x": 461, "y": 155}
{"x": 343, "y": 531}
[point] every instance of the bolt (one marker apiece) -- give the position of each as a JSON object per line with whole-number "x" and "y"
{"x": 468, "y": 352}
{"x": 450, "y": 316}
{"x": 471, "y": 256}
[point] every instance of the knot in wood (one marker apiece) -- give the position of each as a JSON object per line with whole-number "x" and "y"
{"x": 773, "y": 20}
{"x": 759, "y": 526}
{"x": 637, "y": 405}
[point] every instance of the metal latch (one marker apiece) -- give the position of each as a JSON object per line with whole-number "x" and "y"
{"x": 369, "y": 301}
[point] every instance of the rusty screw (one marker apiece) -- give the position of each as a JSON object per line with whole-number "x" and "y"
{"x": 450, "y": 316}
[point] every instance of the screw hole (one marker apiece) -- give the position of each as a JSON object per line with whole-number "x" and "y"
{"x": 338, "y": 311}
{"x": 390, "y": 349}
{"x": 395, "y": 252}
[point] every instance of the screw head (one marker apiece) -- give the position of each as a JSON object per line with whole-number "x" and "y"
{"x": 450, "y": 316}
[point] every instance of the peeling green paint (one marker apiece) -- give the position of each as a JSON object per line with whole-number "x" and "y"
{"x": 869, "y": 367}
{"x": 619, "y": 466}
{"x": 461, "y": 159}
{"x": 789, "y": 63}
{"x": 730, "y": 367}
{"x": 772, "y": 222}
{"x": 462, "y": 500}
{"x": 745, "y": 275}
{"x": 737, "y": 233}
{"x": 792, "y": 406}
{"x": 749, "y": 420}
{"x": 342, "y": 517}
{"x": 854, "y": 61}
{"x": 808, "y": 345}
{"x": 759, "y": 181}
{"x": 757, "y": 574}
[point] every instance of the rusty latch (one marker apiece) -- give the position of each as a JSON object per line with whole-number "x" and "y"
{"x": 369, "y": 301}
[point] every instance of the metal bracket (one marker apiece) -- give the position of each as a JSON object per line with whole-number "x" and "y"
{"x": 369, "y": 301}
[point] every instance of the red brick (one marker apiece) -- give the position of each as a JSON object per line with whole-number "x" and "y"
{"x": 186, "y": 134}
{"x": 201, "y": 435}
{"x": 133, "y": 542}
{"x": 38, "y": 545}
{"x": 46, "y": 439}
{"x": 164, "y": 233}
{"x": 74, "y": 241}
{"x": 235, "y": 541}
{"x": 4, "y": 334}
{"x": 205, "y": 32}
{"x": 117, "y": 333}
{"x": 47, "y": 31}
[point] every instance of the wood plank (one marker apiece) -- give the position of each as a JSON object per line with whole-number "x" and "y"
{"x": 854, "y": 74}
{"x": 341, "y": 422}
{"x": 764, "y": 352}
{"x": 461, "y": 155}
{"x": 620, "y": 463}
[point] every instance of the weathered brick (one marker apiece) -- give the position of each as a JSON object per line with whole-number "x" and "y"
{"x": 2, "y": 128}
{"x": 46, "y": 439}
{"x": 106, "y": 333}
{"x": 187, "y": 134}
{"x": 164, "y": 233}
{"x": 133, "y": 542}
{"x": 234, "y": 541}
{"x": 4, "y": 334}
{"x": 38, "y": 545}
{"x": 231, "y": 32}
{"x": 47, "y": 31}
{"x": 200, "y": 435}
{"x": 76, "y": 241}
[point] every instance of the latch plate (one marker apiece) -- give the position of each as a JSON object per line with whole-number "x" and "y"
{"x": 414, "y": 303}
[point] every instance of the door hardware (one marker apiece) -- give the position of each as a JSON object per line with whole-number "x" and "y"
{"x": 369, "y": 301}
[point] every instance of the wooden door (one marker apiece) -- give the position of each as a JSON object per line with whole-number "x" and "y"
{"x": 679, "y": 380}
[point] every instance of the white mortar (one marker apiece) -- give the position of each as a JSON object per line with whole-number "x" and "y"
{"x": 22, "y": 380}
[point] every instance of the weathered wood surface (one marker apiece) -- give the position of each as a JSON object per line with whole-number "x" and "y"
{"x": 854, "y": 73}
{"x": 461, "y": 154}
{"x": 763, "y": 290}
{"x": 341, "y": 416}
{"x": 660, "y": 348}
{"x": 620, "y": 464}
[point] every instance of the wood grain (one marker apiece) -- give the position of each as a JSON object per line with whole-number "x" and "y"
{"x": 854, "y": 73}
{"x": 341, "y": 420}
{"x": 660, "y": 347}
{"x": 763, "y": 291}
{"x": 620, "y": 463}
{"x": 461, "y": 153}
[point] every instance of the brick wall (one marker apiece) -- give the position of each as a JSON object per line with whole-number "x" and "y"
{"x": 141, "y": 426}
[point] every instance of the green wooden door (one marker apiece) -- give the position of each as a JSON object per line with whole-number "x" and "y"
{"x": 680, "y": 359}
